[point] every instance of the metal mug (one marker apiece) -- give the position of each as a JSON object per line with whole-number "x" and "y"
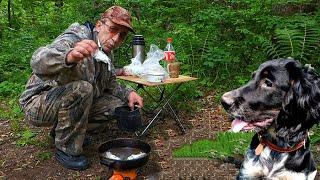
{"x": 128, "y": 120}
{"x": 174, "y": 69}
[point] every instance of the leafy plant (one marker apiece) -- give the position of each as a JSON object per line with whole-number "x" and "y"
{"x": 42, "y": 156}
{"x": 299, "y": 41}
{"x": 27, "y": 137}
{"x": 315, "y": 135}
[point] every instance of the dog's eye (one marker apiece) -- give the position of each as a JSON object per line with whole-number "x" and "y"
{"x": 268, "y": 82}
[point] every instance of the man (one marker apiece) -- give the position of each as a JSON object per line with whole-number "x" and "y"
{"x": 71, "y": 86}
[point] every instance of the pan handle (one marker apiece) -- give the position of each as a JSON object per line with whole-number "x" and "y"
{"x": 109, "y": 162}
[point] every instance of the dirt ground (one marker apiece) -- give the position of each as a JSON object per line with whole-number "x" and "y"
{"x": 26, "y": 162}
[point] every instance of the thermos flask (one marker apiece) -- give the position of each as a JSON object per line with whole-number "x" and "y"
{"x": 138, "y": 47}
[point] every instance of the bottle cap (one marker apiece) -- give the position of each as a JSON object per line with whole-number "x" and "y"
{"x": 169, "y": 40}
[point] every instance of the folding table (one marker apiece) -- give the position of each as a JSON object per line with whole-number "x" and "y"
{"x": 164, "y": 101}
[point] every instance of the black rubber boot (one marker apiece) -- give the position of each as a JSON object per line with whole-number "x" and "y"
{"x": 78, "y": 163}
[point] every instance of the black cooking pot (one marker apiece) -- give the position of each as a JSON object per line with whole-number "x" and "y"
{"x": 128, "y": 120}
{"x": 125, "y": 144}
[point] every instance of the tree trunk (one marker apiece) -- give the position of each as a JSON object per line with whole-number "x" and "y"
{"x": 9, "y": 13}
{"x": 289, "y": 9}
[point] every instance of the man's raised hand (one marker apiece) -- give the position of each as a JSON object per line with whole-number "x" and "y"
{"x": 82, "y": 49}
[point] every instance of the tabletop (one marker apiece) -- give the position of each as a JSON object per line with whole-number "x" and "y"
{"x": 144, "y": 82}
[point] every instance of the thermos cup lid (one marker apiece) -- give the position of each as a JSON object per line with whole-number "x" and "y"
{"x": 138, "y": 40}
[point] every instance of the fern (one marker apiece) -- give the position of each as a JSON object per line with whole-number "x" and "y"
{"x": 269, "y": 48}
{"x": 299, "y": 41}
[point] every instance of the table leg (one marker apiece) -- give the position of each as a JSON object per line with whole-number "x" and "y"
{"x": 177, "y": 119}
{"x": 140, "y": 86}
{"x": 154, "y": 118}
{"x": 161, "y": 109}
{"x": 150, "y": 95}
{"x": 166, "y": 103}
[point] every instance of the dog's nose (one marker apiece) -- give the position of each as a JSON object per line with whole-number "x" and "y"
{"x": 227, "y": 100}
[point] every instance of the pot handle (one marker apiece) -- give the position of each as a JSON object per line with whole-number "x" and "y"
{"x": 109, "y": 162}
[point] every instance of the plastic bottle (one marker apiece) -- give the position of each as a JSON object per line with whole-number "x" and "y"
{"x": 170, "y": 54}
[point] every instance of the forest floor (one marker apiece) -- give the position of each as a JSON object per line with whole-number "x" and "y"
{"x": 38, "y": 161}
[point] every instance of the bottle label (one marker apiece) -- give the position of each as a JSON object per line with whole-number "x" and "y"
{"x": 169, "y": 55}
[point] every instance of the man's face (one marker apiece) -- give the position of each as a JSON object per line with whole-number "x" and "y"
{"x": 110, "y": 35}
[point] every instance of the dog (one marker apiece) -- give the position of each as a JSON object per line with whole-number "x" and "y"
{"x": 281, "y": 103}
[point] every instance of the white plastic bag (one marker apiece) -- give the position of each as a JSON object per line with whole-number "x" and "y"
{"x": 135, "y": 68}
{"x": 101, "y": 56}
{"x": 151, "y": 65}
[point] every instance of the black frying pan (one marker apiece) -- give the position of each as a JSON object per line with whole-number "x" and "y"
{"x": 124, "y": 143}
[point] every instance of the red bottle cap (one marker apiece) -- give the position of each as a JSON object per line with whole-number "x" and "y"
{"x": 169, "y": 40}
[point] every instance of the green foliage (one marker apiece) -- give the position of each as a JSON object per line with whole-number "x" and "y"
{"x": 42, "y": 156}
{"x": 315, "y": 135}
{"x": 212, "y": 39}
{"x": 298, "y": 40}
{"x": 227, "y": 144}
{"x": 8, "y": 88}
{"x": 10, "y": 110}
{"x": 27, "y": 137}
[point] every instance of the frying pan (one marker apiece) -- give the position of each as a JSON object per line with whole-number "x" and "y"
{"x": 124, "y": 143}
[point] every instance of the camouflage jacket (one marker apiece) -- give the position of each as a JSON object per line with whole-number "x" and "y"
{"x": 50, "y": 68}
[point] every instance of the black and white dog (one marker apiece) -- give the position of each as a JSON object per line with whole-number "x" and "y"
{"x": 281, "y": 103}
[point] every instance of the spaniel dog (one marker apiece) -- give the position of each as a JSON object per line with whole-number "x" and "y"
{"x": 281, "y": 103}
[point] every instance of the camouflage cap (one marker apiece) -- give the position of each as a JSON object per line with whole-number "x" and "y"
{"x": 119, "y": 16}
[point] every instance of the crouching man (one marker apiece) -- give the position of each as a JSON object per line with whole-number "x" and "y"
{"x": 71, "y": 86}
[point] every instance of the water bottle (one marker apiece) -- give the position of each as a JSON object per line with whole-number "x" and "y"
{"x": 138, "y": 47}
{"x": 169, "y": 53}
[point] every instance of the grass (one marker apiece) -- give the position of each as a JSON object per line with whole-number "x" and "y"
{"x": 10, "y": 110}
{"x": 201, "y": 148}
{"x": 227, "y": 144}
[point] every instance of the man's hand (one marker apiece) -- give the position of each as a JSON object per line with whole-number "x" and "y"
{"x": 82, "y": 49}
{"x": 134, "y": 98}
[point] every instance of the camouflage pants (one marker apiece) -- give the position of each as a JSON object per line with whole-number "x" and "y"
{"x": 70, "y": 108}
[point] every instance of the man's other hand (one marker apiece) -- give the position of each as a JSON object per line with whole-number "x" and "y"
{"x": 134, "y": 98}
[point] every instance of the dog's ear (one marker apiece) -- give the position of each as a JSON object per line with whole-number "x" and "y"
{"x": 303, "y": 98}
{"x": 294, "y": 69}
{"x": 295, "y": 74}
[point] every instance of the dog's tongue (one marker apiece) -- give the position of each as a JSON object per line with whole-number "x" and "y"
{"x": 237, "y": 125}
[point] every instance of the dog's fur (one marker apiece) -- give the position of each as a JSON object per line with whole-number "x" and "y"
{"x": 284, "y": 98}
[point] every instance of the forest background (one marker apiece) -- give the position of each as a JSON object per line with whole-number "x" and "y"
{"x": 221, "y": 42}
